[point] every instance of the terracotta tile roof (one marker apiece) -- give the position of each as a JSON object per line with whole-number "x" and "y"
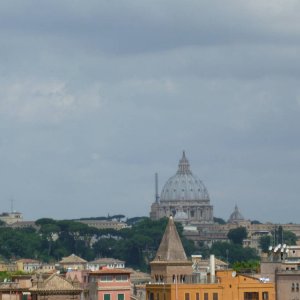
{"x": 106, "y": 260}
{"x": 137, "y": 276}
{"x": 55, "y": 283}
{"x": 218, "y": 262}
{"x": 111, "y": 271}
{"x": 72, "y": 259}
{"x": 28, "y": 261}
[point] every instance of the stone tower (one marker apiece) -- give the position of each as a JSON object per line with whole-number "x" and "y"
{"x": 170, "y": 263}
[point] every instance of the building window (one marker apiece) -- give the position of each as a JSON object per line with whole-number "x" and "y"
{"x": 265, "y": 296}
{"x": 215, "y": 296}
{"x": 297, "y": 287}
{"x": 197, "y": 296}
{"x": 121, "y": 278}
{"x": 121, "y": 296}
{"x": 106, "y": 297}
{"x": 205, "y": 296}
{"x": 293, "y": 287}
{"x": 106, "y": 278}
{"x": 251, "y": 296}
{"x": 151, "y": 296}
{"x": 187, "y": 296}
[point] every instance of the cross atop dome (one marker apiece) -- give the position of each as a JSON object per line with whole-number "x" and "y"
{"x": 184, "y": 165}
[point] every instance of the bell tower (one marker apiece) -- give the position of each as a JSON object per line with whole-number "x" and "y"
{"x": 170, "y": 263}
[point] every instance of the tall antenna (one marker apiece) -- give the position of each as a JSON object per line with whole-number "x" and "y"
{"x": 11, "y": 205}
{"x": 156, "y": 188}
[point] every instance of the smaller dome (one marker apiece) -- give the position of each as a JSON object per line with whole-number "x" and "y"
{"x": 236, "y": 216}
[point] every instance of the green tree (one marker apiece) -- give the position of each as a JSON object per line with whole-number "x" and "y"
{"x": 237, "y": 235}
{"x": 255, "y": 222}
{"x": 20, "y": 243}
{"x": 265, "y": 242}
{"x": 49, "y": 233}
{"x": 134, "y": 220}
{"x": 45, "y": 221}
{"x": 117, "y": 217}
{"x": 105, "y": 247}
{"x": 284, "y": 236}
{"x": 233, "y": 252}
{"x": 289, "y": 238}
{"x": 250, "y": 266}
{"x": 219, "y": 221}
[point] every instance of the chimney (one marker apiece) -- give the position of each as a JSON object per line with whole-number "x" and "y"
{"x": 156, "y": 188}
{"x": 212, "y": 268}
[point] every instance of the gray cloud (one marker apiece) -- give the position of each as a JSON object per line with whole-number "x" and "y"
{"x": 95, "y": 97}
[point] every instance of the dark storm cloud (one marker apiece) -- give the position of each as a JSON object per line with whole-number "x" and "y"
{"x": 134, "y": 26}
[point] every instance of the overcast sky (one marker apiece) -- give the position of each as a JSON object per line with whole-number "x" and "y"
{"x": 97, "y": 96}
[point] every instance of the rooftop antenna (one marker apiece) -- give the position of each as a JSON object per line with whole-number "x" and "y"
{"x": 156, "y": 188}
{"x": 11, "y": 205}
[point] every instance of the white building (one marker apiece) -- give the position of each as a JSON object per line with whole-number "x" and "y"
{"x": 109, "y": 263}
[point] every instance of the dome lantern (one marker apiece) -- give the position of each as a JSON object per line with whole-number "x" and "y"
{"x": 184, "y": 165}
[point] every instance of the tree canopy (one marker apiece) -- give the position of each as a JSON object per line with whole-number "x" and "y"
{"x": 57, "y": 238}
{"x": 219, "y": 221}
{"x": 232, "y": 253}
{"x": 278, "y": 236}
{"x": 237, "y": 235}
{"x": 137, "y": 245}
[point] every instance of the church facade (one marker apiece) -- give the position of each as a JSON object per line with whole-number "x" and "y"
{"x": 185, "y": 197}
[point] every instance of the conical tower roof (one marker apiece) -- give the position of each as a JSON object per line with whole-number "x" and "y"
{"x": 170, "y": 248}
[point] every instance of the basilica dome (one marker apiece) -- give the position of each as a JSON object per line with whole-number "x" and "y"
{"x": 184, "y": 185}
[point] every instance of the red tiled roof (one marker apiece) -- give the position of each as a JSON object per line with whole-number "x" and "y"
{"x": 27, "y": 260}
{"x": 72, "y": 259}
{"x": 110, "y": 271}
{"x": 55, "y": 283}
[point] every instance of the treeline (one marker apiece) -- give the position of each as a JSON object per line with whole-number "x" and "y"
{"x": 233, "y": 252}
{"x": 118, "y": 217}
{"x": 278, "y": 236}
{"x": 55, "y": 239}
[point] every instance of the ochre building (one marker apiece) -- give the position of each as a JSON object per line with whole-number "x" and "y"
{"x": 173, "y": 278}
